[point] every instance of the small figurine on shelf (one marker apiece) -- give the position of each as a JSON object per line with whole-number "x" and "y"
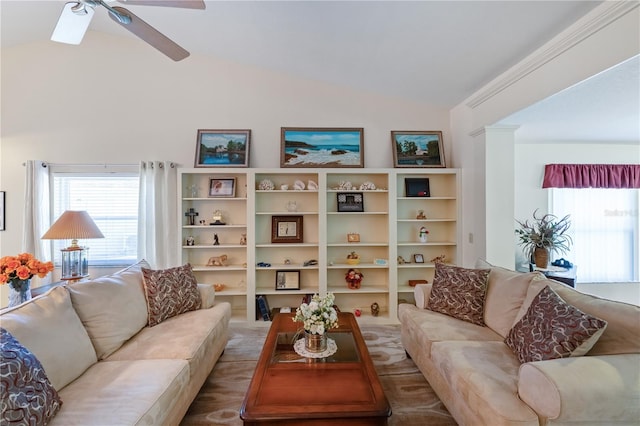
{"x": 375, "y": 309}
{"x": 193, "y": 191}
{"x": 216, "y": 241}
{"x": 243, "y": 239}
{"x": 218, "y": 260}
{"x": 423, "y": 234}
{"x": 353, "y": 258}
{"x": 421, "y": 215}
{"x": 217, "y": 218}
{"x": 353, "y": 278}
{"x": 438, "y": 259}
{"x": 191, "y": 241}
{"x": 191, "y": 214}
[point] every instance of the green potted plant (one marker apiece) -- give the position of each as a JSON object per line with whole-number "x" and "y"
{"x": 544, "y": 235}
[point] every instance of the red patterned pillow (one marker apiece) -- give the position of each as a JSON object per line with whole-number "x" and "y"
{"x": 26, "y": 394}
{"x": 459, "y": 292}
{"x": 170, "y": 292}
{"x": 552, "y": 329}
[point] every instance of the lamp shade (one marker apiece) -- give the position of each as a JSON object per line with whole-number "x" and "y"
{"x": 73, "y": 225}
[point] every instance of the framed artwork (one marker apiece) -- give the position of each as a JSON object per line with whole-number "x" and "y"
{"x": 350, "y": 201}
{"x": 286, "y": 229}
{"x": 222, "y": 148}
{"x": 417, "y": 148}
{"x": 2, "y": 217}
{"x": 418, "y": 258}
{"x": 321, "y": 147}
{"x": 416, "y": 187}
{"x": 288, "y": 280}
{"x": 353, "y": 237}
{"x": 222, "y": 187}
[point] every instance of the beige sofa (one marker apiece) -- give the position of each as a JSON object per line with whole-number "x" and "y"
{"x": 481, "y": 382}
{"x": 107, "y": 365}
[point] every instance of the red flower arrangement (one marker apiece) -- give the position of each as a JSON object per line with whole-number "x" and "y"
{"x": 353, "y": 278}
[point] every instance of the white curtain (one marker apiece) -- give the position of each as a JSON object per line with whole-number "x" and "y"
{"x": 37, "y": 219}
{"x": 157, "y": 221}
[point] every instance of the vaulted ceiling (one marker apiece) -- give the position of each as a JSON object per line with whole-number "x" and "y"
{"x": 437, "y": 52}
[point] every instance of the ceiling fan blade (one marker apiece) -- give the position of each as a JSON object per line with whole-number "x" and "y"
{"x": 71, "y": 25}
{"x": 187, "y": 4}
{"x": 149, "y": 34}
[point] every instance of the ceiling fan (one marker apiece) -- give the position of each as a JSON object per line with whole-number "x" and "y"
{"x": 76, "y": 17}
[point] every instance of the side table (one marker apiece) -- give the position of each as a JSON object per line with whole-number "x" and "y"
{"x": 563, "y": 275}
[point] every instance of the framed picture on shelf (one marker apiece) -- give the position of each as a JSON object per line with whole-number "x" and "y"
{"x": 350, "y": 201}
{"x": 417, "y": 148}
{"x": 286, "y": 229}
{"x": 288, "y": 280}
{"x": 418, "y": 258}
{"x": 417, "y": 187}
{"x": 222, "y": 148}
{"x": 222, "y": 187}
{"x": 321, "y": 147}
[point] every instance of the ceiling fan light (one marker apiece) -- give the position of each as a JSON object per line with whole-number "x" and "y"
{"x": 72, "y": 26}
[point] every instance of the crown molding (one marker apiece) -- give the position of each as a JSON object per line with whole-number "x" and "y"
{"x": 609, "y": 12}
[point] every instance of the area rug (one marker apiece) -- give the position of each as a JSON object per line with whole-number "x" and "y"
{"x": 412, "y": 400}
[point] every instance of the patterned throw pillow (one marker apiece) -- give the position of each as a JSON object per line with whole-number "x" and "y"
{"x": 26, "y": 394}
{"x": 552, "y": 329}
{"x": 170, "y": 292}
{"x": 459, "y": 292}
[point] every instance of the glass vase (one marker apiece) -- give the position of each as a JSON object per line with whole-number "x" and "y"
{"x": 315, "y": 342}
{"x": 19, "y": 292}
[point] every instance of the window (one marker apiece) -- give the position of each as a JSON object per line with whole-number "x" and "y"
{"x": 111, "y": 199}
{"x": 604, "y": 228}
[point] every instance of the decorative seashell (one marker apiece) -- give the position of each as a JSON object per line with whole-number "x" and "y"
{"x": 298, "y": 185}
{"x": 312, "y": 186}
{"x": 266, "y": 185}
{"x": 367, "y": 186}
{"x": 345, "y": 185}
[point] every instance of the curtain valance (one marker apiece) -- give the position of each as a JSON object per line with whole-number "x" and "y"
{"x": 591, "y": 176}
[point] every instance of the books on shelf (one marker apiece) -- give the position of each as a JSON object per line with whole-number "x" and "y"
{"x": 262, "y": 308}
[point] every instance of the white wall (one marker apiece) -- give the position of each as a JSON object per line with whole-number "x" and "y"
{"x": 607, "y": 36}
{"x": 113, "y": 100}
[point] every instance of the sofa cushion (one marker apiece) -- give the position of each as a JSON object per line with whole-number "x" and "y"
{"x": 112, "y": 308}
{"x": 131, "y": 393}
{"x": 552, "y": 329}
{"x": 170, "y": 292}
{"x": 459, "y": 292}
{"x": 50, "y": 328}
{"x": 623, "y": 319}
{"x": 426, "y": 327}
{"x": 506, "y": 290}
{"x": 196, "y": 336}
{"x": 485, "y": 376}
{"x": 26, "y": 394}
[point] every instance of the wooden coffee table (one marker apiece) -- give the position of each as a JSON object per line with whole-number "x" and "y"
{"x": 289, "y": 389}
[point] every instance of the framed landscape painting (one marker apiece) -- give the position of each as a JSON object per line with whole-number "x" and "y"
{"x": 321, "y": 147}
{"x": 417, "y": 149}
{"x": 222, "y": 148}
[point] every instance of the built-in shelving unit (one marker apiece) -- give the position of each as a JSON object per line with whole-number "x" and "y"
{"x": 387, "y": 229}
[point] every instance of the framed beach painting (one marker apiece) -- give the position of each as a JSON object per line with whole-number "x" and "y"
{"x": 321, "y": 147}
{"x": 417, "y": 149}
{"x": 222, "y": 148}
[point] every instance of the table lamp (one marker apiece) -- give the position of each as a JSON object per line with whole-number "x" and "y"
{"x": 74, "y": 225}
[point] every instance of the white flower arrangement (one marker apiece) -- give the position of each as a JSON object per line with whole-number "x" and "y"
{"x": 319, "y": 315}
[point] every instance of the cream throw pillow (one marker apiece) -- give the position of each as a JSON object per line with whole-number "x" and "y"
{"x": 50, "y": 328}
{"x": 112, "y": 308}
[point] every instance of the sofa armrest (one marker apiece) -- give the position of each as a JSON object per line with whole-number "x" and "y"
{"x": 591, "y": 389}
{"x": 208, "y": 295}
{"x": 421, "y": 293}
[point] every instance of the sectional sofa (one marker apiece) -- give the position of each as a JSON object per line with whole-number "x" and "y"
{"x": 116, "y": 350}
{"x": 524, "y": 350}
